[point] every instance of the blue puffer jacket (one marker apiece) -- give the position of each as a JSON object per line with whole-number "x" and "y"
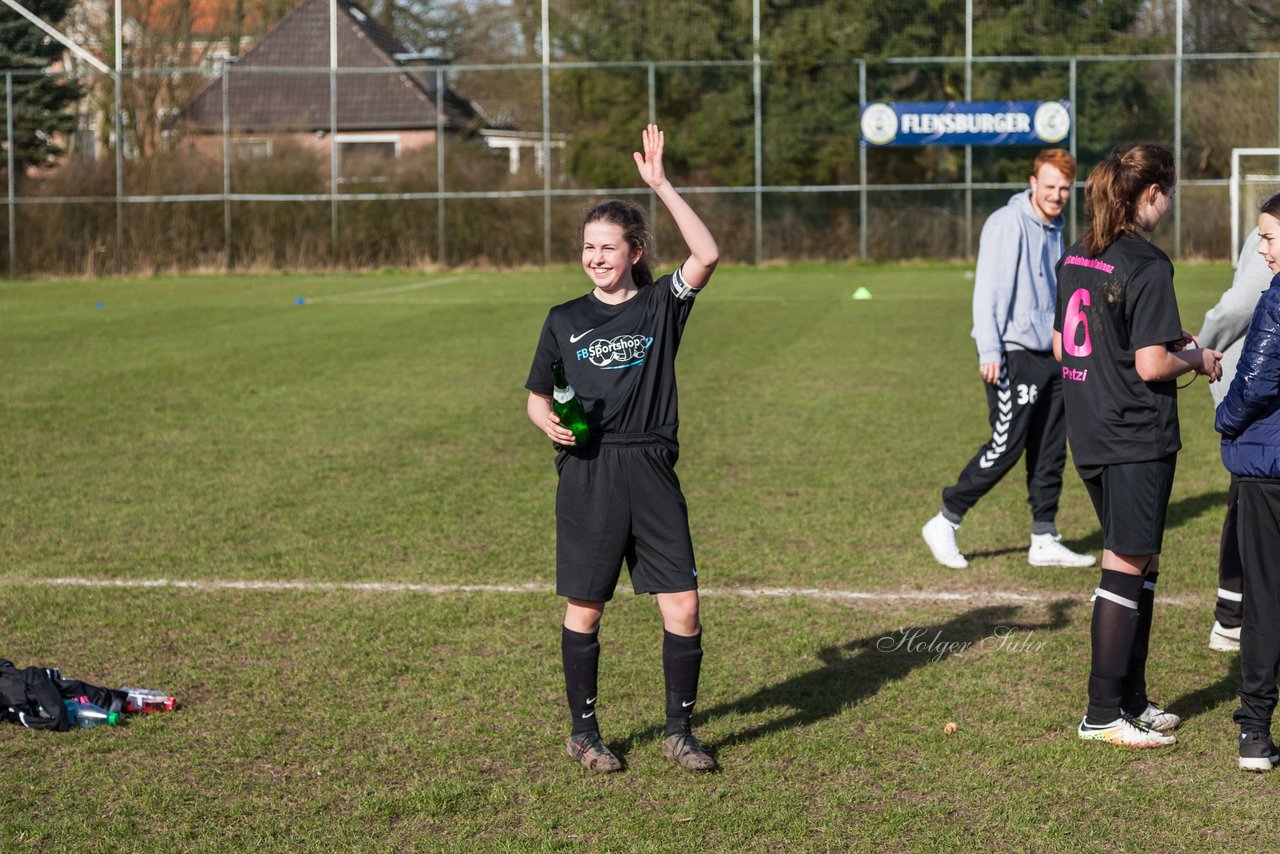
{"x": 1249, "y": 416}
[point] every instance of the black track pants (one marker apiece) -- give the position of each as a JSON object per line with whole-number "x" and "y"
{"x": 1230, "y": 573}
{"x": 1259, "y": 526}
{"x": 1025, "y": 411}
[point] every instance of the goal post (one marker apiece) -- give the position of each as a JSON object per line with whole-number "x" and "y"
{"x": 1255, "y": 175}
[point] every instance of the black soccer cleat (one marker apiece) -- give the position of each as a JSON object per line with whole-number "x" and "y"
{"x": 589, "y": 751}
{"x": 685, "y": 750}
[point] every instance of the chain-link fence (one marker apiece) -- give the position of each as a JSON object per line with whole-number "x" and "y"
{"x": 328, "y": 143}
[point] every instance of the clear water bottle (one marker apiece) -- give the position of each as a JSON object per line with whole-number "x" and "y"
{"x": 87, "y": 714}
{"x": 148, "y": 700}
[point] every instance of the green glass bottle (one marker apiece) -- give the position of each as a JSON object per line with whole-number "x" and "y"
{"x": 567, "y": 406}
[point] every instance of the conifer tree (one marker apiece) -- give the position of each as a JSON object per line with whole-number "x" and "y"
{"x": 40, "y": 101}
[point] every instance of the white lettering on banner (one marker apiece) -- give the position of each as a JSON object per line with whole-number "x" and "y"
{"x": 932, "y": 123}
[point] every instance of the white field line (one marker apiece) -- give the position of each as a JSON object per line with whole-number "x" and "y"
{"x": 399, "y": 289}
{"x": 922, "y": 596}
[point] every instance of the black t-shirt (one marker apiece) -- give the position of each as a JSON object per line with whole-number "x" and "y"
{"x": 1108, "y": 308}
{"x": 620, "y": 359}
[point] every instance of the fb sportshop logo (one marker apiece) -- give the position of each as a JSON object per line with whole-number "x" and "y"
{"x": 621, "y": 352}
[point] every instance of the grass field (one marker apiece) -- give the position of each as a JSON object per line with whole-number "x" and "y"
{"x": 354, "y": 521}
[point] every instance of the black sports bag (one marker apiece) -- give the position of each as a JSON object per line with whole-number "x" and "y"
{"x": 33, "y": 696}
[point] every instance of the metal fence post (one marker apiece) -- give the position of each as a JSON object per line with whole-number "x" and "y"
{"x": 226, "y": 165}
{"x": 968, "y": 149}
{"x": 115, "y": 77}
{"x": 546, "y": 132}
{"x": 333, "y": 129}
{"x": 440, "y": 206}
{"x": 119, "y": 174}
{"x": 1075, "y": 125}
{"x": 8, "y": 139}
{"x": 1177, "y": 127}
{"x": 862, "y": 167}
{"x": 759, "y": 134}
{"x": 653, "y": 119}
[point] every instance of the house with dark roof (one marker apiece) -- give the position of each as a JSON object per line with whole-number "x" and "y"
{"x": 280, "y": 89}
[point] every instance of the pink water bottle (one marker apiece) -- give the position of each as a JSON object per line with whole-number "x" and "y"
{"x": 147, "y": 700}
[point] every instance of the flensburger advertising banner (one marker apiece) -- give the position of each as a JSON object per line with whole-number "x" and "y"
{"x": 965, "y": 123}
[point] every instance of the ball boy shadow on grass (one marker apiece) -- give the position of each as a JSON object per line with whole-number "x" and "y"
{"x": 857, "y": 670}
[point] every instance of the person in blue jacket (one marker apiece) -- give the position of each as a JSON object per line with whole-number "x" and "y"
{"x": 1249, "y": 420}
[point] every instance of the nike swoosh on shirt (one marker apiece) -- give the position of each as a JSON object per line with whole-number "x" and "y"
{"x": 574, "y": 339}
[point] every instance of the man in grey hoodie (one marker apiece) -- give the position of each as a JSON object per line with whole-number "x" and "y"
{"x": 1224, "y": 327}
{"x": 1014, "y": 296}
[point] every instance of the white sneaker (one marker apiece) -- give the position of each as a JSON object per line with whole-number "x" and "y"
{"x": 1158, "y": 719}
{"x": 1223, "y": 639}
{"x": 1048, "y": 550}
{"x": 940, "y": 536}
{"x": 1125, "y": 732}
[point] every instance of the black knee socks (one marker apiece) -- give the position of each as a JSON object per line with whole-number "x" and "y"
{"x": 681, "y": 664}
{"x": 581, "y": 656}
{"x": 1115, "y": 624}
{"x": 1134, "y": 690}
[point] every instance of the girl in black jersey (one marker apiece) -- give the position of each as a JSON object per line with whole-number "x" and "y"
{"x": 1121, "y": 344}
{"x": 619, "y": 498}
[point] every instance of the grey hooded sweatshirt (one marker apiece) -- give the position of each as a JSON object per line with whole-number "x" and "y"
{"x": 1014, "y": 287}
{"x": 1226, "y": 323}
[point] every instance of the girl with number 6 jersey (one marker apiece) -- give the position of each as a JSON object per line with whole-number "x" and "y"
{"x": 1121, "y": 344}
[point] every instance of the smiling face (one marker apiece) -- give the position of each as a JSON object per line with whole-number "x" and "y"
{"x": 607, "y": 258}
{"x": 1269, "y": 248}
{"x": 1050, "y": 190}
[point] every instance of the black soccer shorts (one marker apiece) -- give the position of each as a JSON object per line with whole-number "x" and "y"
{"x": 1130, "y": 500}
{"x": 618, "y": 500}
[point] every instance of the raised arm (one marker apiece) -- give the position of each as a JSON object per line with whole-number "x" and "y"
{"x": 704, "y": 254}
